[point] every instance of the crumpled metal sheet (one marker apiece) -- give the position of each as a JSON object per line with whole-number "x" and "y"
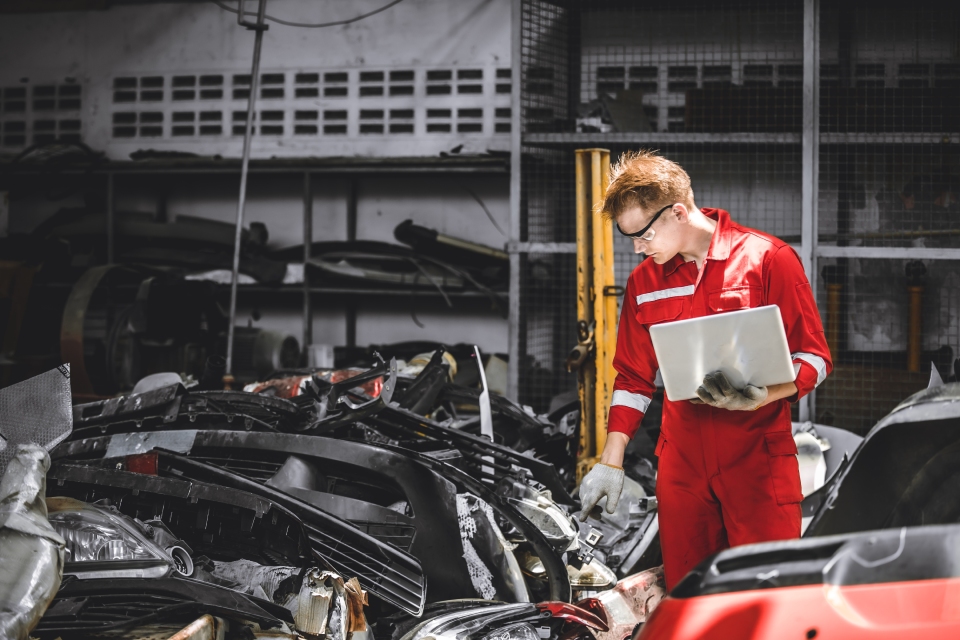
{"x": 356, "y": 601}
{"x": 37, "y": 410}
{"x": 321, "y": 602}
{"x": 631, "y": 602}
{"x": 32, "y": 551}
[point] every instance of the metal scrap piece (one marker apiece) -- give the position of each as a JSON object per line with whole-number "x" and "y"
{"x": 631, "y": 602}
{"x": 31, "y": 550}
{"x": 36, "y": 411}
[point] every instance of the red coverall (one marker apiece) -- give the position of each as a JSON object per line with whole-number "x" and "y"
{"x": 725, "y": 478}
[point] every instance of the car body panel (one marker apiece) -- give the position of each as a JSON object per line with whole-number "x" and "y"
{"x": 877, "y": 611}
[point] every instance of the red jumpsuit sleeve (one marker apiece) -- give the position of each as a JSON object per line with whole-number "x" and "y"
{"x": 636, "y": 365}
{"x": 787, "y": 287}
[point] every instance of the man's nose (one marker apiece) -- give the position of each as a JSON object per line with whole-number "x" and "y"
{"x": 639, "y": 245}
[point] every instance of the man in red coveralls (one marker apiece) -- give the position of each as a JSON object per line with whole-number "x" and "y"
{"x": 727, "y": 472}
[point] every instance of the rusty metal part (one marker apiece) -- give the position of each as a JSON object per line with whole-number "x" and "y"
{"x": 71, "y": 327}
{"x": 585, "y": 345}
{"x": 631, "y": 602}
{"x": 205, "y": 627}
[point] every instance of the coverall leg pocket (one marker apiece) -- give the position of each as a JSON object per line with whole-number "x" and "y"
{"x": 784, "y": 468}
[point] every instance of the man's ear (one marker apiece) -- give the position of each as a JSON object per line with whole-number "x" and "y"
{"x": 681, "y": 212}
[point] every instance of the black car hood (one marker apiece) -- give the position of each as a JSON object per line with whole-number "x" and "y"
{"x": 872, "y": 557}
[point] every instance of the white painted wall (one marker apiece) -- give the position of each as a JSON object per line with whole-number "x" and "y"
{"x": 96, "y": 48}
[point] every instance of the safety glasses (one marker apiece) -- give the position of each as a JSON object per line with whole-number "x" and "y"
{"x": 646, "y": 234}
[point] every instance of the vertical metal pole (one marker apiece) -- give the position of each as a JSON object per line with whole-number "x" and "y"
{"x": 609, "y": 301}
{"x": 587, "y": 372}
{"x": 513, "y": 316}
{"x": 604, "y": 305}
{"x": 597, "y": 273}
{"x": 244, "y": 168}
{"x": 810, "y": 158}
{"x": 307, "y": 241}
{"x": 110, "y": 220}
{"x": 352, "y": 211}
{"x": 351, "y": 308}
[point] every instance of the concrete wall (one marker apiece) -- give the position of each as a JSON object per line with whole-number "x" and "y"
{"x": 130, "y": 60}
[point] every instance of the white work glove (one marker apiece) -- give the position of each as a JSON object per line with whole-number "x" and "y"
{"x": 717, "y": 391}
{"x": 603, "y": 480}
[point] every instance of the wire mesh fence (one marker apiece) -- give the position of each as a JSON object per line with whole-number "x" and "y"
{"x": 718, "y": 87}
{"x": 889, "y": 83}
{"x": 712, "y": 86}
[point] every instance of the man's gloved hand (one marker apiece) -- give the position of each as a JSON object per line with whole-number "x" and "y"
{"x": 717, "y": 391}
{"x": 603, "y": 480}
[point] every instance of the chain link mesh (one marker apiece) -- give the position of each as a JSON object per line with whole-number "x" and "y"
{"x": 718, "y": 87}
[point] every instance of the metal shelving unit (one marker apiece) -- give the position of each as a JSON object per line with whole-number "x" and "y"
{"x": 347, "y": 168}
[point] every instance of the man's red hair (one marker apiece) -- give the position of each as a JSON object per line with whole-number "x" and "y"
{"x": 644, "y": 179}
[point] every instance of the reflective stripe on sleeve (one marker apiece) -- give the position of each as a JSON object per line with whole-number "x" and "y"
{"x": 665, "y": 293}
{"x": 814, "y": 361}
{"x": 633, "y": 400}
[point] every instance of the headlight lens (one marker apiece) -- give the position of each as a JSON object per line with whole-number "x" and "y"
{"x": 519, "y": 631}
{"x": 95, "y": 535}
{"x": 466, "y": 624}
{"x": 592, "y": 575}
{"x": 550, "y": 519}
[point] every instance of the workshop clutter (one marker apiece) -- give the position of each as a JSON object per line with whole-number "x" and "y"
{"x": 373, "y": 502}
{"x": 159, "y": 305}
{"x": 328, "y": 503}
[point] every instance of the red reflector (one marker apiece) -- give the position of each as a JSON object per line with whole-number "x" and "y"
{"x": 145, "y": 463}
{"x": 573, "y": 613}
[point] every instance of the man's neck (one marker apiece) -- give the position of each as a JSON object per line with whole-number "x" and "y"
{"x": 701, "y": 233}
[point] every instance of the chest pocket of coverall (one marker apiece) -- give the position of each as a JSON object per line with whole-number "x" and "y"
{"x": 657, "y": 311}
{"x": 735, "y": 298}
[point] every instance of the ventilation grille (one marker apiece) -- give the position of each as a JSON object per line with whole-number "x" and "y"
{"x": 388, "y": 102}
{"x": 40, "y": 113}
{"x": 207, "y": 111}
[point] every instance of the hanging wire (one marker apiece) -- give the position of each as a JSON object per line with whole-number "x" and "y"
{"x": 485, "y": 210}
{"x": 319, "y": 25}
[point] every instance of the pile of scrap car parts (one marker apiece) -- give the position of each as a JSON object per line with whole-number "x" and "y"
{"x": 381, "y": 497}
{"x": 384, "y": 477}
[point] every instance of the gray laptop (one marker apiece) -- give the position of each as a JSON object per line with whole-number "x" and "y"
{"x": 749, "y": 346}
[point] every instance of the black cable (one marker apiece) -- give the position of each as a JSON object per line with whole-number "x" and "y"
{"x": 319, "y": 25}
{"x": 485, "y": 210}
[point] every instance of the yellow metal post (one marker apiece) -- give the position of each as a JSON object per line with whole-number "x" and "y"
{"x": 587, "y": 372}
{"x": 596, "y": 301}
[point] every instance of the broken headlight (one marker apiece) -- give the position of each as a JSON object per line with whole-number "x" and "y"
{"x": 555, "y": 525}
{"x": 483, "y": 623}
{"x": 518, "y": 631}
{"x": 101, "y": 544}
{"x": 591, "y": 575}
